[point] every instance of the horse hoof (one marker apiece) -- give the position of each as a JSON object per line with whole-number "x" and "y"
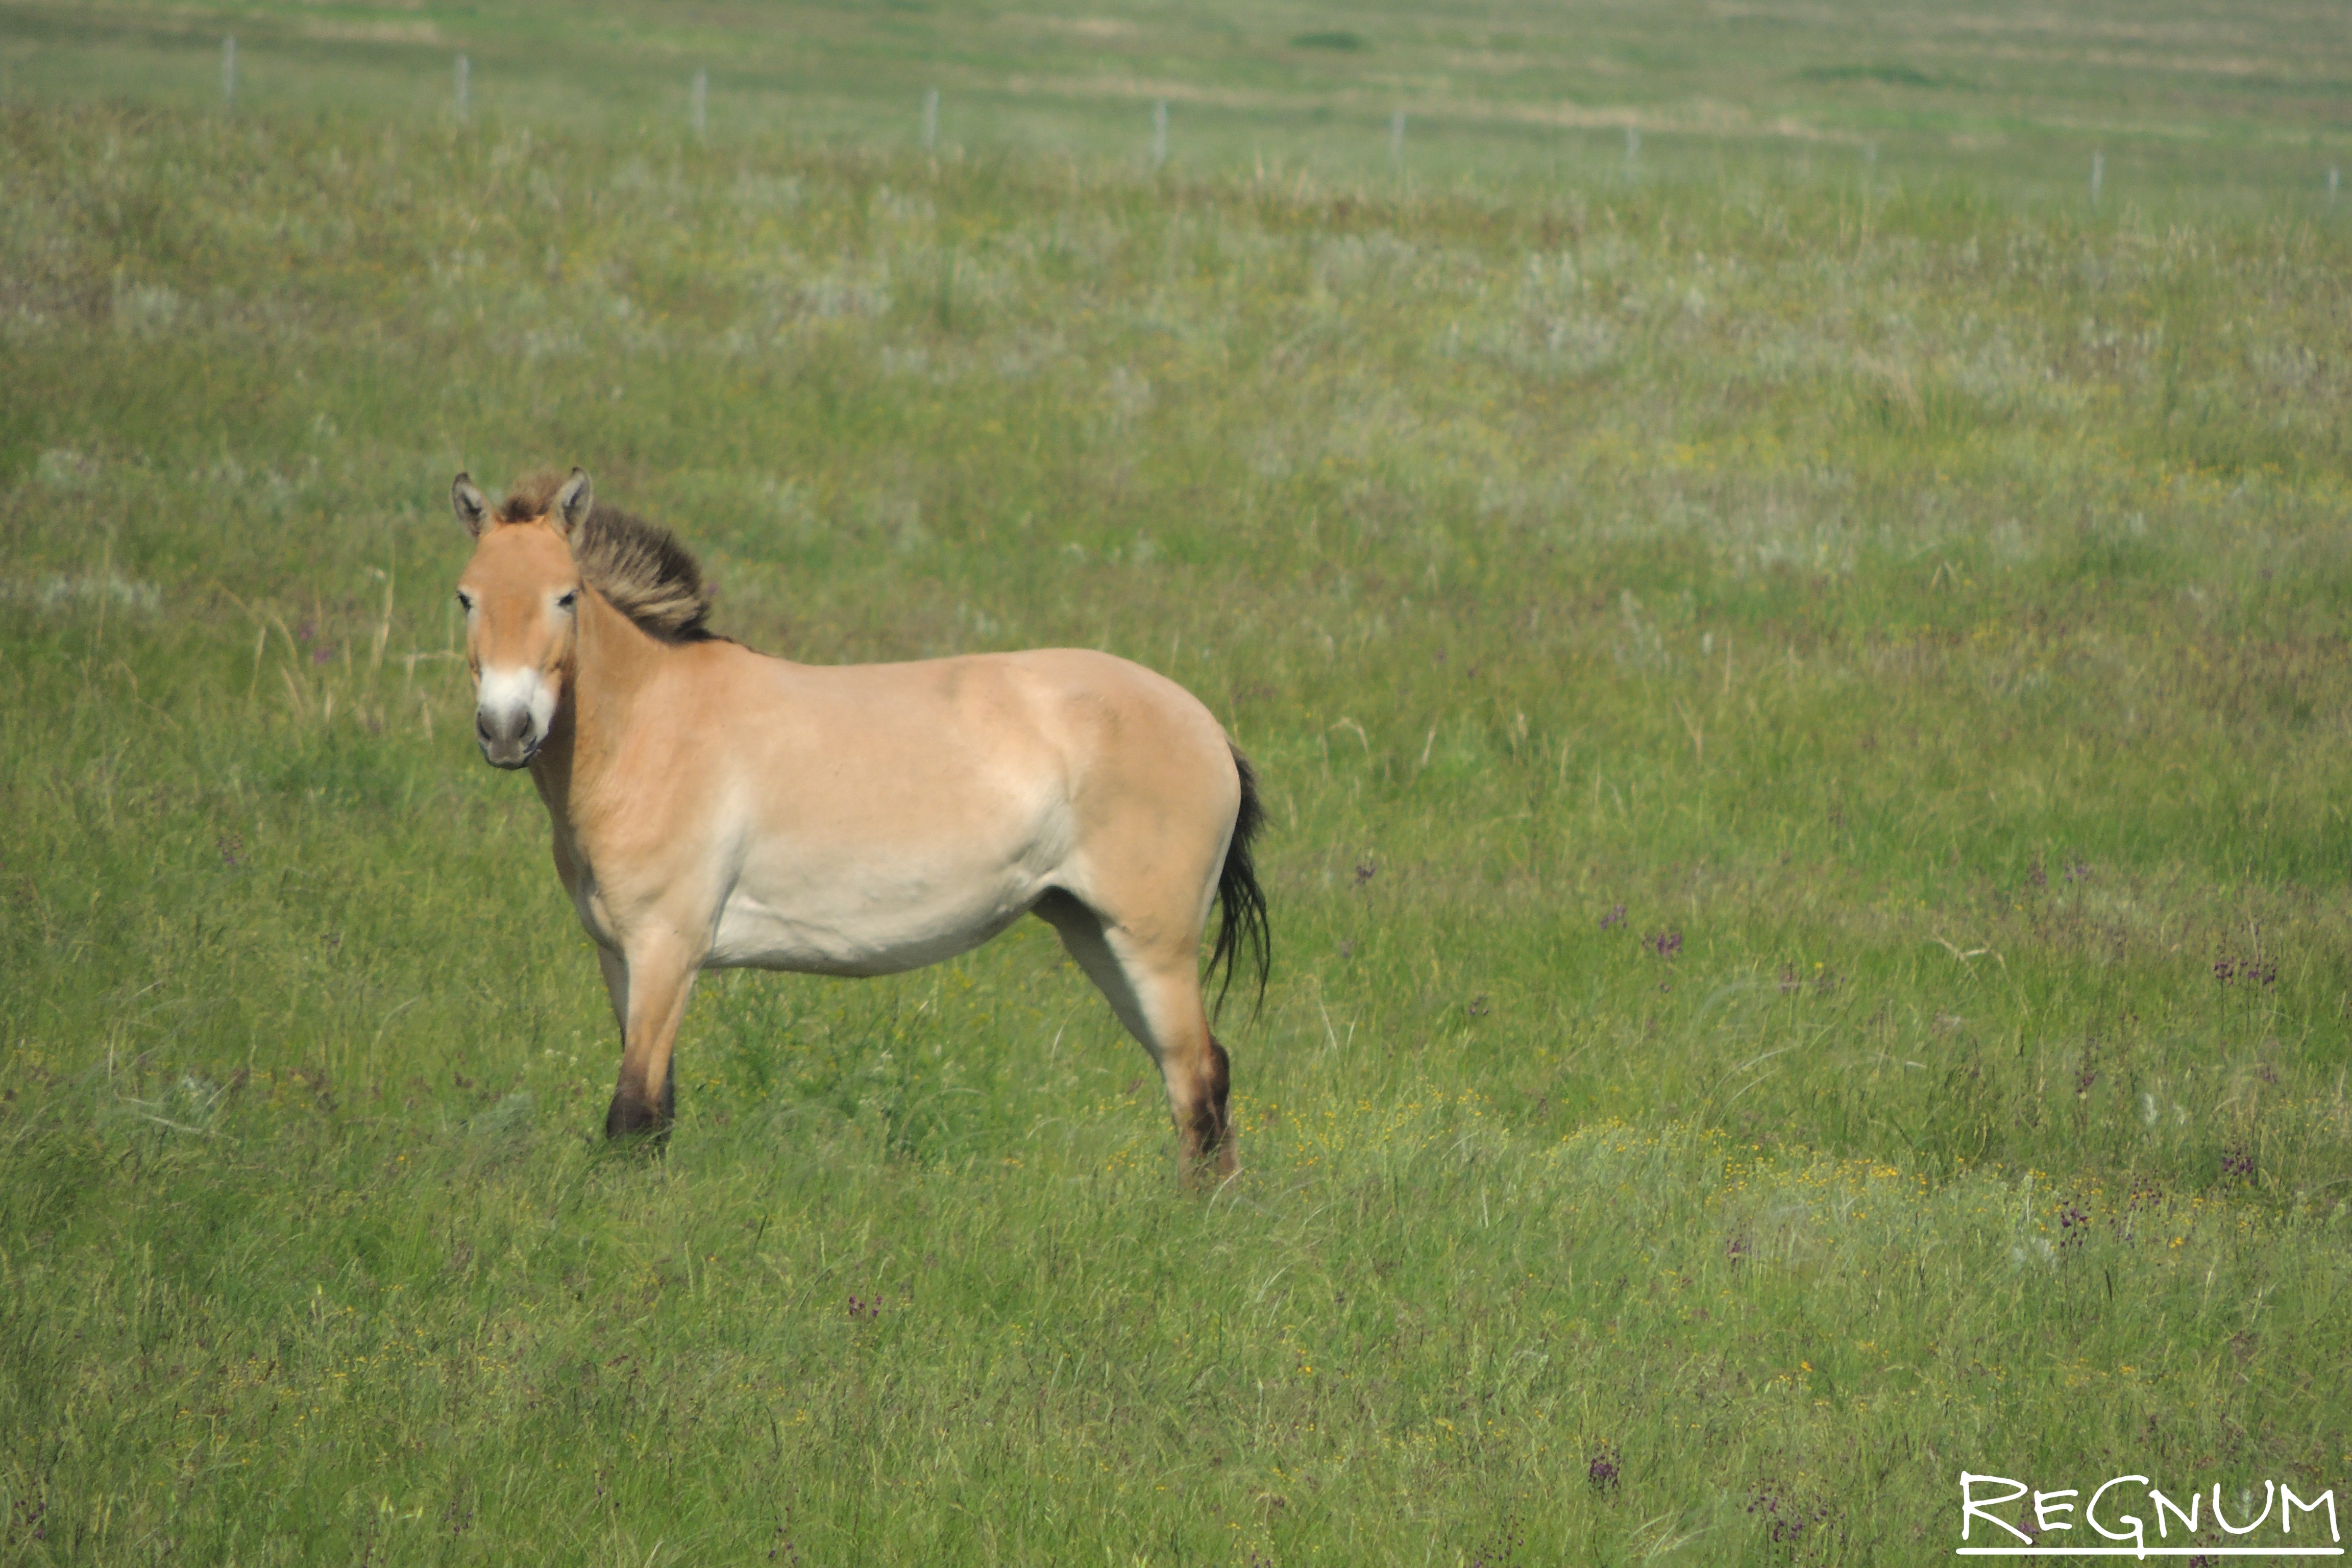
{"x": 636, "y": 1124}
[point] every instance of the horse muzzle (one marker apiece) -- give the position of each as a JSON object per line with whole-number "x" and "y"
{"x": 511, "y": 715}
{"x": 508, "y": 742}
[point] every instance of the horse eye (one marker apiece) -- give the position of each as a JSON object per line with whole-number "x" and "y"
{"x": 568, "y": 600}
{"x": 465, "y": 600}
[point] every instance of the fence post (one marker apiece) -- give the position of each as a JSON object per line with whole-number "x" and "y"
{"x": 465, "y": 80}
{"x": 930, "y": 118}
{"x": 700, "y": 100}
{"x": 1159, "y": 133}
{"x": 228, "y": 71}
{"x": 1396, "y": 137}
{"x": 2098, "y": 174}
{"x": 1633, "y": 149}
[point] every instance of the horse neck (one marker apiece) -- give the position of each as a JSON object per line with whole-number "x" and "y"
{"x": 613, "y": 661}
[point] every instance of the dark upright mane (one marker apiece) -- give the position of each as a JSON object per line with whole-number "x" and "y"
{"x": 640, "y": 567}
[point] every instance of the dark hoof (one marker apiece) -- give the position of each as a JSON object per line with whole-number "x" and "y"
{"x": 1206, "y": 1165}
{"x": 639, "y": 1124}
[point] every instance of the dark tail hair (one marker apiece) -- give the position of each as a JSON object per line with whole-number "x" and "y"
{"x": 1242, "y": 924}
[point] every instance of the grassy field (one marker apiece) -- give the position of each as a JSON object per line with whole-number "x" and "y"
{"x": 1800, "y": 686}
{"x": 2249, "y": 106}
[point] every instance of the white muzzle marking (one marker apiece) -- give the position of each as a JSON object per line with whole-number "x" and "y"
{"x": 512, "y": 711}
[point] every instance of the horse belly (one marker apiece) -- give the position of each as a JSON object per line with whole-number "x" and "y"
{"x": 850, "y": 935}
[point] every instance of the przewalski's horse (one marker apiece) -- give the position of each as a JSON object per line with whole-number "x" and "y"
{"x": 716, "y": 808}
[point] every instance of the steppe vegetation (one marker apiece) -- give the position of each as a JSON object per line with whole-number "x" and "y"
{"x": 1799, "y": 683}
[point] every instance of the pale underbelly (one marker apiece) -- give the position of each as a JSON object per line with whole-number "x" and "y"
{"x": 855, "y": 936}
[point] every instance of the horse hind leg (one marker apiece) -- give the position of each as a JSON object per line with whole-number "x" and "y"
{"x": 1212, "y": 1116}
{"x": 1157, "y": 995}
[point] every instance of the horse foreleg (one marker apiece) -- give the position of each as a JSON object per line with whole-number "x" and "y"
{"x": 654, "y": 980}
{"x": 615, "y": 970}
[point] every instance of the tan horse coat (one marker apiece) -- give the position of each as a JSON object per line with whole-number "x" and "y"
{"x": 716, "y": 808}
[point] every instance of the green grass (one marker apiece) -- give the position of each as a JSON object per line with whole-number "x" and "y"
{"x": 2246, "y": 107}
{"x": 1803, "y": 708}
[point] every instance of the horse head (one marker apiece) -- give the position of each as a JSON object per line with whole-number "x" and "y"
{"x": 521, "y": 595}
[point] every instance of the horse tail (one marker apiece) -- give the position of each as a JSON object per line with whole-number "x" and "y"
{"x": 1242, "y": 923}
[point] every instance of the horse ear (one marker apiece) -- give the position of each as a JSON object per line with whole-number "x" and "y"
{"x": 473, "y": 509}
{"x": 572, "y": 503}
